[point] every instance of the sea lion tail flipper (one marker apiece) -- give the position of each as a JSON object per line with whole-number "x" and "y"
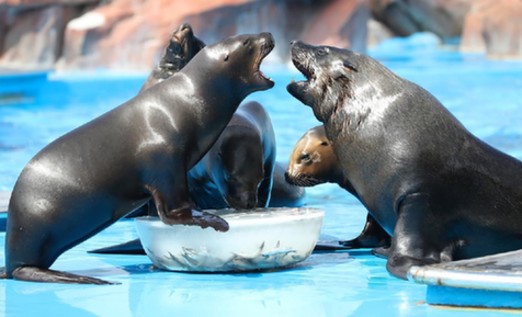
{"x": 37, "y": 274}
{"x": 413, "y": 232}
{"x": 129, "y": 247}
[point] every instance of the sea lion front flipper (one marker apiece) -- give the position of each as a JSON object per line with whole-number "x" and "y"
{"x": 200, "y": 218}
{"x": 193, "y": 217}
{"x": 413, "y": 237}
{"x": 37, "y": 274}
{"x": 372, "y": 236}
{"x": 174, "y": 206}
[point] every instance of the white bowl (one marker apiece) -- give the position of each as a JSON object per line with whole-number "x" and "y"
{"x": 259, "y": 239}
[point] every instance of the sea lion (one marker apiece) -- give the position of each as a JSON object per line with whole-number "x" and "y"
{"x": 237, "y": 172}
{"x": 92, "y": 176}
{"x": 182, "y": 46}
{"x": 441, "y": 193}
{"x": 209, "y": 188}
{"x": 312, "y": 162}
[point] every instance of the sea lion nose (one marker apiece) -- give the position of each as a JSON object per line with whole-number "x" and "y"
{"x": 267, "y": 37}
{"x": 184, "y": 26}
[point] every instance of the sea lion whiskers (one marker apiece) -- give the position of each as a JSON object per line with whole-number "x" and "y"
{"x": 302, "y": 180}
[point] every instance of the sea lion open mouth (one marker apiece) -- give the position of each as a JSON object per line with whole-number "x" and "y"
{"x": 265, "y": 48}
{"x": 306, "y": 70}
{"x": 303, "y": 62}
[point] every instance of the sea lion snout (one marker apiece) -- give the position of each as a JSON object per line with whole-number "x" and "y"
{"x": 242, "y": 200}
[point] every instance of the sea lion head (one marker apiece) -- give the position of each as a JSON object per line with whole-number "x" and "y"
{"x": 237, "y": 60}
{"x": 335, "y": 78}
{"x": 183, "y": 45}
{"x": 313, "y": 160}
{"x": 240, "y": 160}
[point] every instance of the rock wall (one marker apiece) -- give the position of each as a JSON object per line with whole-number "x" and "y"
{"x": 32, "y": 31}
{"x": 442, "y": 17}
{"x": 139, "y": 38}
{"x": 494, "y": 27}
{"x": 130, "y": 34}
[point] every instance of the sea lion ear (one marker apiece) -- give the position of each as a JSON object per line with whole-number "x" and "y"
{"x": 349, "y": 65}
{"x": 341, "y": 71}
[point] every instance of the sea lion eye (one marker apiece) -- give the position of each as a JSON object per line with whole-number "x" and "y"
{"x": 321, "y": 52}
{"x": 226, "y": 58}
{"x": 246, "y": 42}
{"x": 324, "y": 143}
{"x": 304, "y": 157}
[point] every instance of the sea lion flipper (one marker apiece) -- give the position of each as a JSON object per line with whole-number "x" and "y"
{"x": 194, "y": 217}
{"x": 205, "y": 219}
{"x": 129, "y": 247}
{"x": 372, "y": 236}
{"x": 178, "y": 207}
{"x": 381, "y": 252}
{"x": 36, "y": 274}
{"x": 412, "y": 235}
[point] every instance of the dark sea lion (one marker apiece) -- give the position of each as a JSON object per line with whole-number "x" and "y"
{"x": 89, "y": 178}
{"x": 182, "y": 46}
{"x": 209, "y": 189}
{"x": 312, "y": 162}
{"x": 441, "y": 193}
{"x": 237, "y": 172}
{"x": 240, "y": 170}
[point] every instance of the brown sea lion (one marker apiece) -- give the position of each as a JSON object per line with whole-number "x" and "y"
{"x": 312, "y": 162}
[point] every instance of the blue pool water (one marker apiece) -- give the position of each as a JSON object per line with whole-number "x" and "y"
{"x": 484, "y": 95}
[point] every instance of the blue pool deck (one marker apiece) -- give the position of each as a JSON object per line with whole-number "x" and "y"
{"x": 484, "y": 95}
{"x": 346, "y": 283}
{"x": 326, "y": 284}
